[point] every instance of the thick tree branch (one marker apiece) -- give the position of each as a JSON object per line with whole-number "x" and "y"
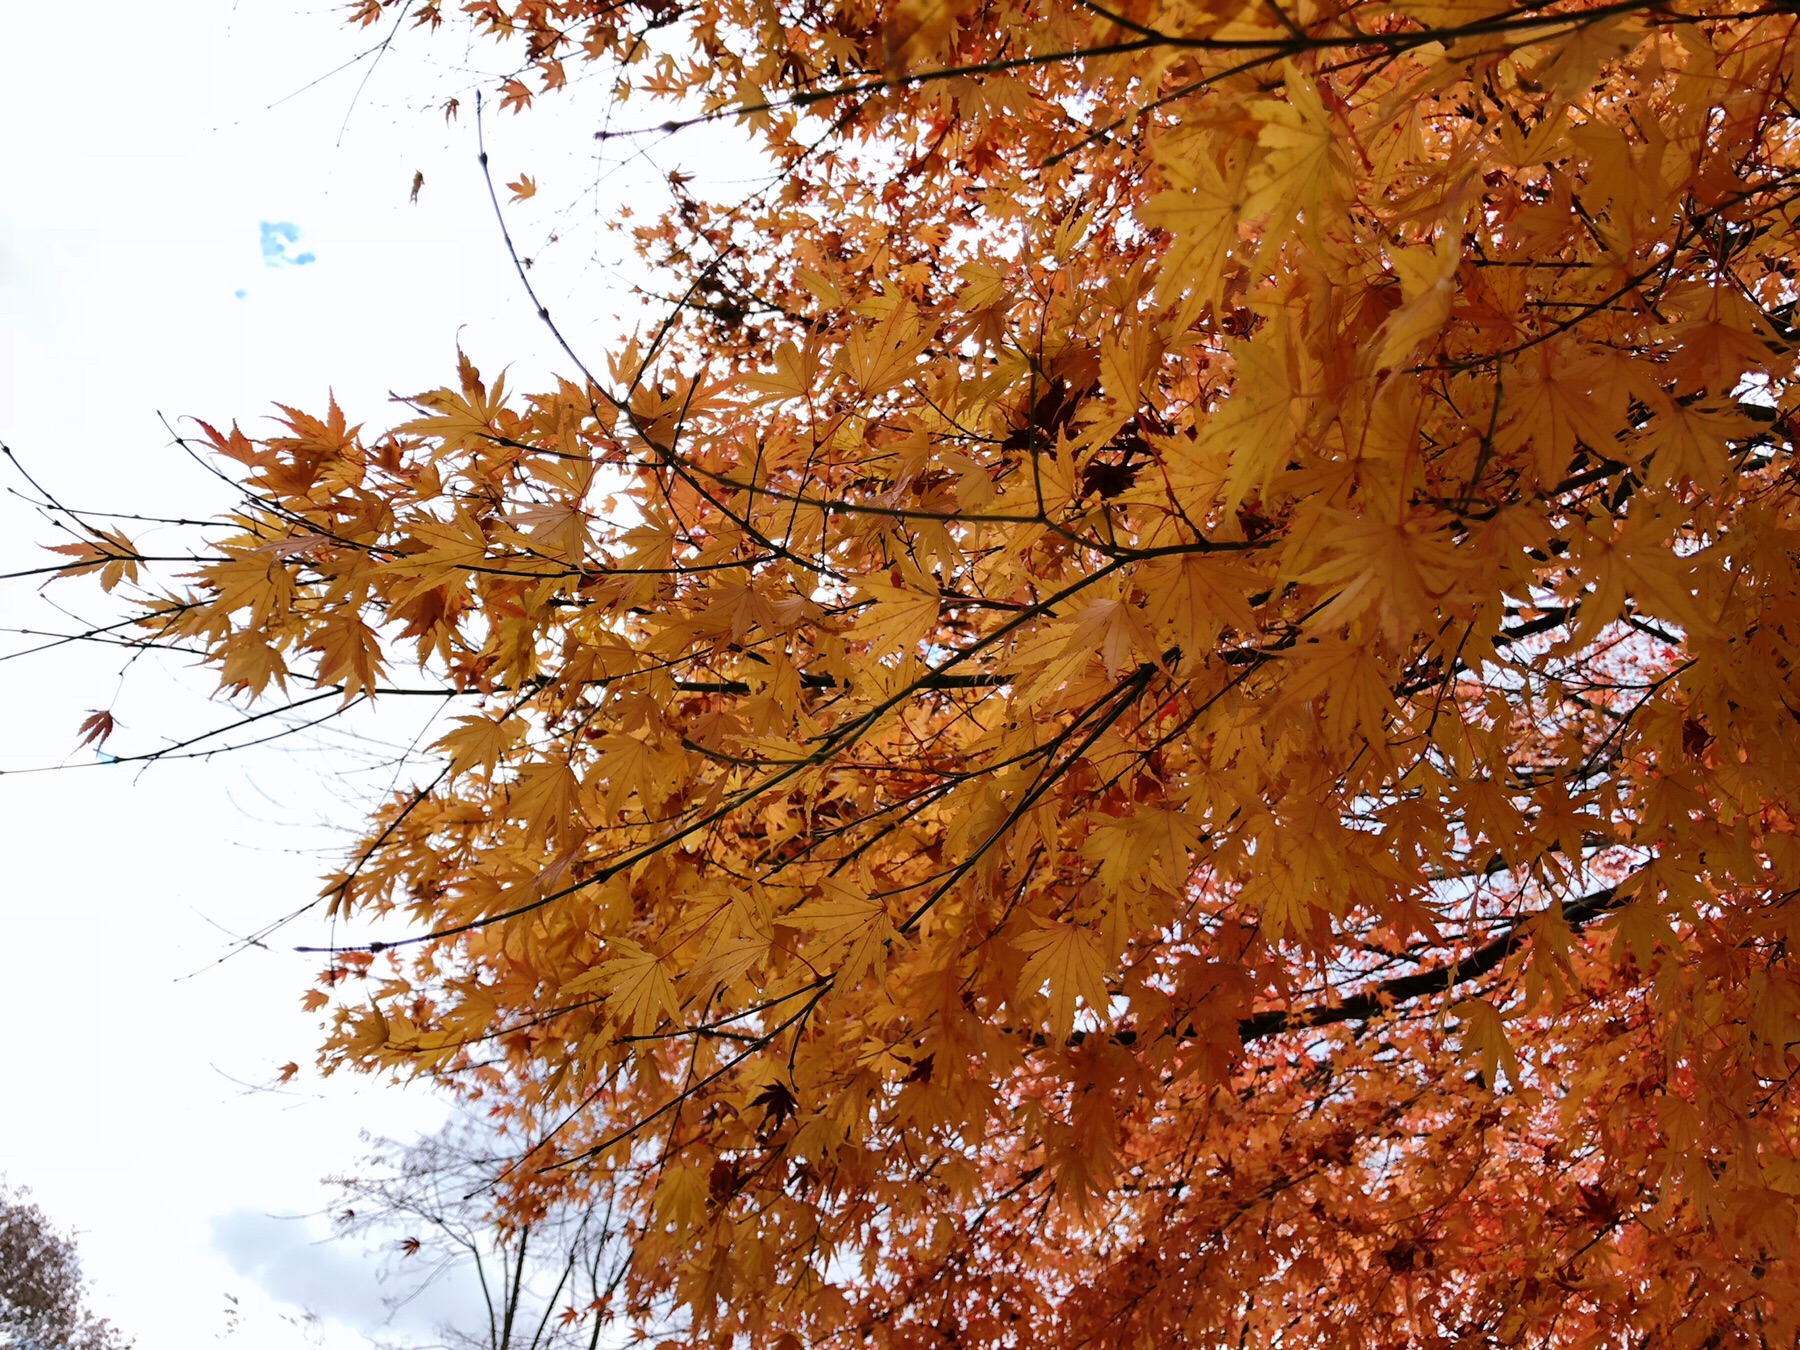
{"x": 1371, "y": 1003}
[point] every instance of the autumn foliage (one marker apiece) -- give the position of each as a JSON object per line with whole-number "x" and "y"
{"x": 43, "y": 1296}
{"x": 1163, "y": 709}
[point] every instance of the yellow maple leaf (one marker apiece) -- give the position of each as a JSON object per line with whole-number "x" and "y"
{"x": 639, "y": 990}
{"x": 249, "y": 665}
{"x": 1303, "y": 163}
{"x": 1427, "y": 278}
{"x": 546, "y": 797}
{"x": 1201, "y": 210}
{"x": 1484, "y": 1036}
{"x": 898, "y": 620}
{"x": 479, "y": 742}
{"x": 844, "y": 918}
{"x": 1068, "y": 962}
{"x": 680, "y": 1199}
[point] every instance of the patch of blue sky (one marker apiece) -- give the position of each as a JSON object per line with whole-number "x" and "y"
{"x": 276, "y": 236}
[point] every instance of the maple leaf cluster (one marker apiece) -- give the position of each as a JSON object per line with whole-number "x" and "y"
{"x": 1164, "y": 710}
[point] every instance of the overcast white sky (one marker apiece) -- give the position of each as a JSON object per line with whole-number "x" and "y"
{"x": 165, "y": 173}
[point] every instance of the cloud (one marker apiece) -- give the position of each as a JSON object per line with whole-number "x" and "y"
{"x": 276, "y": 236}
{"x": 293, "y": 1263}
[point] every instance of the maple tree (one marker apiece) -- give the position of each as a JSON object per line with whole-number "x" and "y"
{"x": 1161, "y": 707}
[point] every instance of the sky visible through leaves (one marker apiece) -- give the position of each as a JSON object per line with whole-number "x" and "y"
{"x": 155, "y": 265}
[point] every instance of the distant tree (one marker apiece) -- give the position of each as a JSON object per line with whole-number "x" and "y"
{"x": 549, "y": 1272}
{"x": 41, "y": 1289}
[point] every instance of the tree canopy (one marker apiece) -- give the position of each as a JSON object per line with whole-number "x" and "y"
{"x": 1161, "y": 707}
{"x": 42, "y": 1303}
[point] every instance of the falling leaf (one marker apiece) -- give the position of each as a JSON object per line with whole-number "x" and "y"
{"x": 95, "y": 728}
